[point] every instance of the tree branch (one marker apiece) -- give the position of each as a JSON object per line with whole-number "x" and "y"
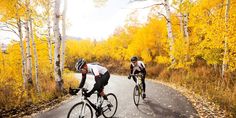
{"x": 150, "y": 6}
{"x": 10, "y": 30}
{"x": 159, "y": 13}
{"x": 3, "y": 26}
{"x": 7, "y": 23}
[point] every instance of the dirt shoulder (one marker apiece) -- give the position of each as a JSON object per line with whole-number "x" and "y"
{"x": 29, "y": 110}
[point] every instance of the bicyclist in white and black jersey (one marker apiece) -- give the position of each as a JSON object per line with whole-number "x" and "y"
{"x": 138, "y": 67}
{"x": 101, "y": 76}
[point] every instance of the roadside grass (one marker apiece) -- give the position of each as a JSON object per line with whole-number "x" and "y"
{"x": 16, "y": 101}
{"x": 205, "y": 82}
{"x": 201, "y": 79}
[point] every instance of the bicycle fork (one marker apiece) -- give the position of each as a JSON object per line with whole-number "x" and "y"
{"x": 82, "y": 112}
{"x": 139, "y": 87}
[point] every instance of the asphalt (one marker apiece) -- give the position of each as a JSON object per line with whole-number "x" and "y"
{"x": 161, "y": 101}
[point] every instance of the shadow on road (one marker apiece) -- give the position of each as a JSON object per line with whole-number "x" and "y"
{"x": 152, "y": 108}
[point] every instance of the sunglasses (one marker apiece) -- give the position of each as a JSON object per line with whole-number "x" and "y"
{"x": 81, "y": 69}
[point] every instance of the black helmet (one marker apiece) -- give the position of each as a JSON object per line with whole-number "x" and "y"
{"x": 134, "y": 58}
{"x": 79, "y": 64}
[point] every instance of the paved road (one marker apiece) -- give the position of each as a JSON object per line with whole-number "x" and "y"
{"x": 161, "y": 101}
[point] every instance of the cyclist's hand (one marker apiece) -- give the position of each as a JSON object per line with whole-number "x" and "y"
{"x": 78, "y": 89}
{"x": 87, "y": 94}
{"x": 73, "y": 91}
{"x": 141, "y": 75}
{"x": 129, "y": 76}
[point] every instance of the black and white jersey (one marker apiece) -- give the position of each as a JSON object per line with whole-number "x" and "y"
{"x": 138, "y": 68}
{"x": 96, "y": 69}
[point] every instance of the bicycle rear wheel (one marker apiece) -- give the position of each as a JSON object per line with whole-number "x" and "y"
{"x": 109, "y": 106}
{"x": 76, "y": 111}
{"x": 136, "y": 95}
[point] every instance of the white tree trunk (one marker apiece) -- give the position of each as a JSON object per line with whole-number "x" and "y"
{"x": 63, "y": 36}
{"x": 169, "y": 30}
{"x": 181, "y": 23}
{"x": 49, "y": 42}
{"x": 35, "y": 57}
{"x": 28, "y": 51}
{"x": 181, "y": 18}
{"x": 49, "y": 33}
{"x": 22, "y": 51}
{"x": 226, "y": 58}
{"x": 57, "y": 36}
{"x": 186, "y": 35}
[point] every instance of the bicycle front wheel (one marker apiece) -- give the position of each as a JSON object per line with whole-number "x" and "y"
{"x": 80, "y": 111}
{"x": 136, "y": 95}
{"x": 109, "y": 106}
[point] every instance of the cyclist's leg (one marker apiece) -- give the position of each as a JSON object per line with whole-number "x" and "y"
{"x": 144, "y": 84}
{"x": 99, "y": 109}
{"x": 104, "y": 80}
{"x": 101, "y": 91}
{"x": 134, "y": 78}
{"x": 101, "y": 82}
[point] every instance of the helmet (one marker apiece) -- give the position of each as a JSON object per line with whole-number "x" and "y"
{"x": 79, "y": 64}
{"x": 134, "y": 58}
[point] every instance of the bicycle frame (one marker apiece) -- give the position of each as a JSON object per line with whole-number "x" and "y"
{"x": 87, "y": 101}
{"x": 138, "y": 89}
{"x": 138, "y": 81}
{"x": 101, "y": 106}
{"x": 82, "y": 112}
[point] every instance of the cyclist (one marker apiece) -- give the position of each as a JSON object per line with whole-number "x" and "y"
{"x": 138, "y": 67}
{"x": 101, "y": 76}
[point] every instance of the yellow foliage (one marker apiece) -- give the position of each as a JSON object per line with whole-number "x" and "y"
{"x": 207, "y": 30}
{"x": 162, "y": 60}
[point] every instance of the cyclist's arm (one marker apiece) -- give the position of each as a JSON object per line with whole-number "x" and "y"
{"x": 92, "y": 91}
{"x": 143, "y": 70}
{"x": 96, "y": 86}
{"x": 131, "y": 69}
{"x": 81, "y": 85}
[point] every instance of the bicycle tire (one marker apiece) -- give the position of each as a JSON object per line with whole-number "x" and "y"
{"x": 136, "y": 95}
{"x": 77, "y": 115}
{"x": 111, "y": 98}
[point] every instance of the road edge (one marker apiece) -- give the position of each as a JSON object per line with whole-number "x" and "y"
{"x": 203, "y": 106}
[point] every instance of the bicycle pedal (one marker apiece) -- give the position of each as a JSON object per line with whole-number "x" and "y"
{"x": 98, "y": 114}
{"x": 109, "y": 105}
{"x": 144, "y": 96}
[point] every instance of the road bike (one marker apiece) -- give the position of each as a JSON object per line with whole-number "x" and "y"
{"x": 83, "y": 109}
{"x": 138, "y": 88}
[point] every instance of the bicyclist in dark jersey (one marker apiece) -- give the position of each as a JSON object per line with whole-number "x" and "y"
{"x": 101, "y": 76}
{"x": 138, "y": 67}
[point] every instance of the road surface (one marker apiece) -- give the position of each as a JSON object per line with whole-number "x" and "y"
{"x": 161, "y": 101}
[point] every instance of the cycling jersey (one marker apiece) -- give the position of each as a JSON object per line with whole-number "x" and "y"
{"x": 140, "y": 67}
{"x": 96, "y": 69}
{"x": 101, "y": 77}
